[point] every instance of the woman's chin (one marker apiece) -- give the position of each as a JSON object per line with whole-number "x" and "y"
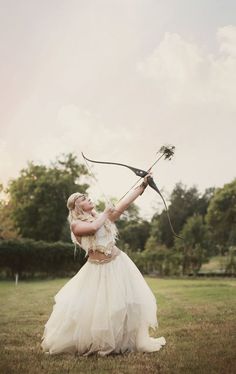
{"x": 90, "y": 208}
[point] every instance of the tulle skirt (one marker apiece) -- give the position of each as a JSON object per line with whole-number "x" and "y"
{"x": 104, "y": 308}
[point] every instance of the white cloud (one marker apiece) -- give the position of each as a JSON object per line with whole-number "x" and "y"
{"x": 188, "y": 74}
{"x": 87, "y": 95}
{"x": 76, "y": 130}
{"x": 227, "y": 39}
{"x": 172, "y": 62}
{"x": 194, "y": 91}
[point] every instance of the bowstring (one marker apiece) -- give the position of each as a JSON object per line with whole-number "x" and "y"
{"x": 150, "y": 168}
{"x": 95, "y": 178}
{"x": 109, "y": 202}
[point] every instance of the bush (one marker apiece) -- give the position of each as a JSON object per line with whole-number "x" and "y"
{"x": 28, "y": 257}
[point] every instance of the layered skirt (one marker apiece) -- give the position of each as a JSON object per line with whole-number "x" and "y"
{"x": 105, "y": 308}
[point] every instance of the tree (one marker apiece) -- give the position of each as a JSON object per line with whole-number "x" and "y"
{"x": 195, "y": 244}
{"x": 231, "y": 261}
{"x": 7, "y": 226}
{"x": 134, "y": 234}
{"x": 38, "y": 197}
{"x": 221, "y": 216}
{"x": 183, "y": 204}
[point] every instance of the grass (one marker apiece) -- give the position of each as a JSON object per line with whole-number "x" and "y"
{"x": 196, "y": 316}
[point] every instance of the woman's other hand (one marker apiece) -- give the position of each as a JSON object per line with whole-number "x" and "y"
{"x": 108, "y": 211}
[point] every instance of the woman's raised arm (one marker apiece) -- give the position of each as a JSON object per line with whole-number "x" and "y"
{"x": 127, "y": 200}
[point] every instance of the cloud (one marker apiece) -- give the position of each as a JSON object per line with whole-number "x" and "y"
{"x": 227, "y": 40}
{"x": 123, "y": 108}
{"x": 77, "y": 130}
{"x": 187, "y": 73}
{"x": 193, "y": 93}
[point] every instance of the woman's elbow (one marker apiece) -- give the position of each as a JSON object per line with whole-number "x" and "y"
{"x": 80, "y": 231}
{"x": 94, "y": 228}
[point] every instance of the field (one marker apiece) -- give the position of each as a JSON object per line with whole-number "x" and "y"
{"x": 196, "y": 316}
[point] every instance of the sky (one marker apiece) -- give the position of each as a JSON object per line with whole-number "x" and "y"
{"x": 117, "y": 79}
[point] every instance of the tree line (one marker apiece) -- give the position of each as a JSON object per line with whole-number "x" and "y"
{"x": 34, "y": 208}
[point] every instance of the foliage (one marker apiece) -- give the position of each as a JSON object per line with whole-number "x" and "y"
{"x": 134, "y": 234}
{"x": 221, "y": 216}
{"x": 183, "y": 204}
{"x": 195, "y": 244}
{"x": 38, "y": 197}
{"x": 231, "y": 261}
{"x": 26, "y": 256}
{"x": 36, "y": 209}
{"x": 7, "y": 225}
{"x": 156, "y": 259}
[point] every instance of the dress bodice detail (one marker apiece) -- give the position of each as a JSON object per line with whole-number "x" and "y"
{"x": 103, "y": 240}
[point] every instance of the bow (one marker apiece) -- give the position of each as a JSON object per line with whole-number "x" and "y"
{"x": 167, "y": 152}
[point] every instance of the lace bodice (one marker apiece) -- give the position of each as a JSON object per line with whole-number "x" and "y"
{"x": 103, "y": 240}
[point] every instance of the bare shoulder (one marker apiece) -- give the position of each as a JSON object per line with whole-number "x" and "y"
{"x": 75, "y": 226}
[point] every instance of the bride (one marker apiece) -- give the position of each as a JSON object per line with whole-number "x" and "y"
{"x": 107, "y": 307}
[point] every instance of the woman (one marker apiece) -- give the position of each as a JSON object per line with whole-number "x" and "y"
{"x": 107, "y": 307}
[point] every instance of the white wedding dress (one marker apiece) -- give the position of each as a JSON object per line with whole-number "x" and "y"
{"x": 105, "y": 308}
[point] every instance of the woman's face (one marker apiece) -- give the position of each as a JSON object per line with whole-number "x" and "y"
{"x": 84, "y": 202}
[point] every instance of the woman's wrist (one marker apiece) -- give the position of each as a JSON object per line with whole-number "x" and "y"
{"x": 100, "y": 220}
{"x": 142, "y": 186}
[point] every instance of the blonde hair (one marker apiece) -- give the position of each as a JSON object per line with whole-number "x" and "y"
{"x": 73, "y": 215}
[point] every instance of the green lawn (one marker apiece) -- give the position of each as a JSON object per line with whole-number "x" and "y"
{"x": 196, "y": 316}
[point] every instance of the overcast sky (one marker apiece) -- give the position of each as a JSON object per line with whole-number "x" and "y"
{"x": 117, "y": 79}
